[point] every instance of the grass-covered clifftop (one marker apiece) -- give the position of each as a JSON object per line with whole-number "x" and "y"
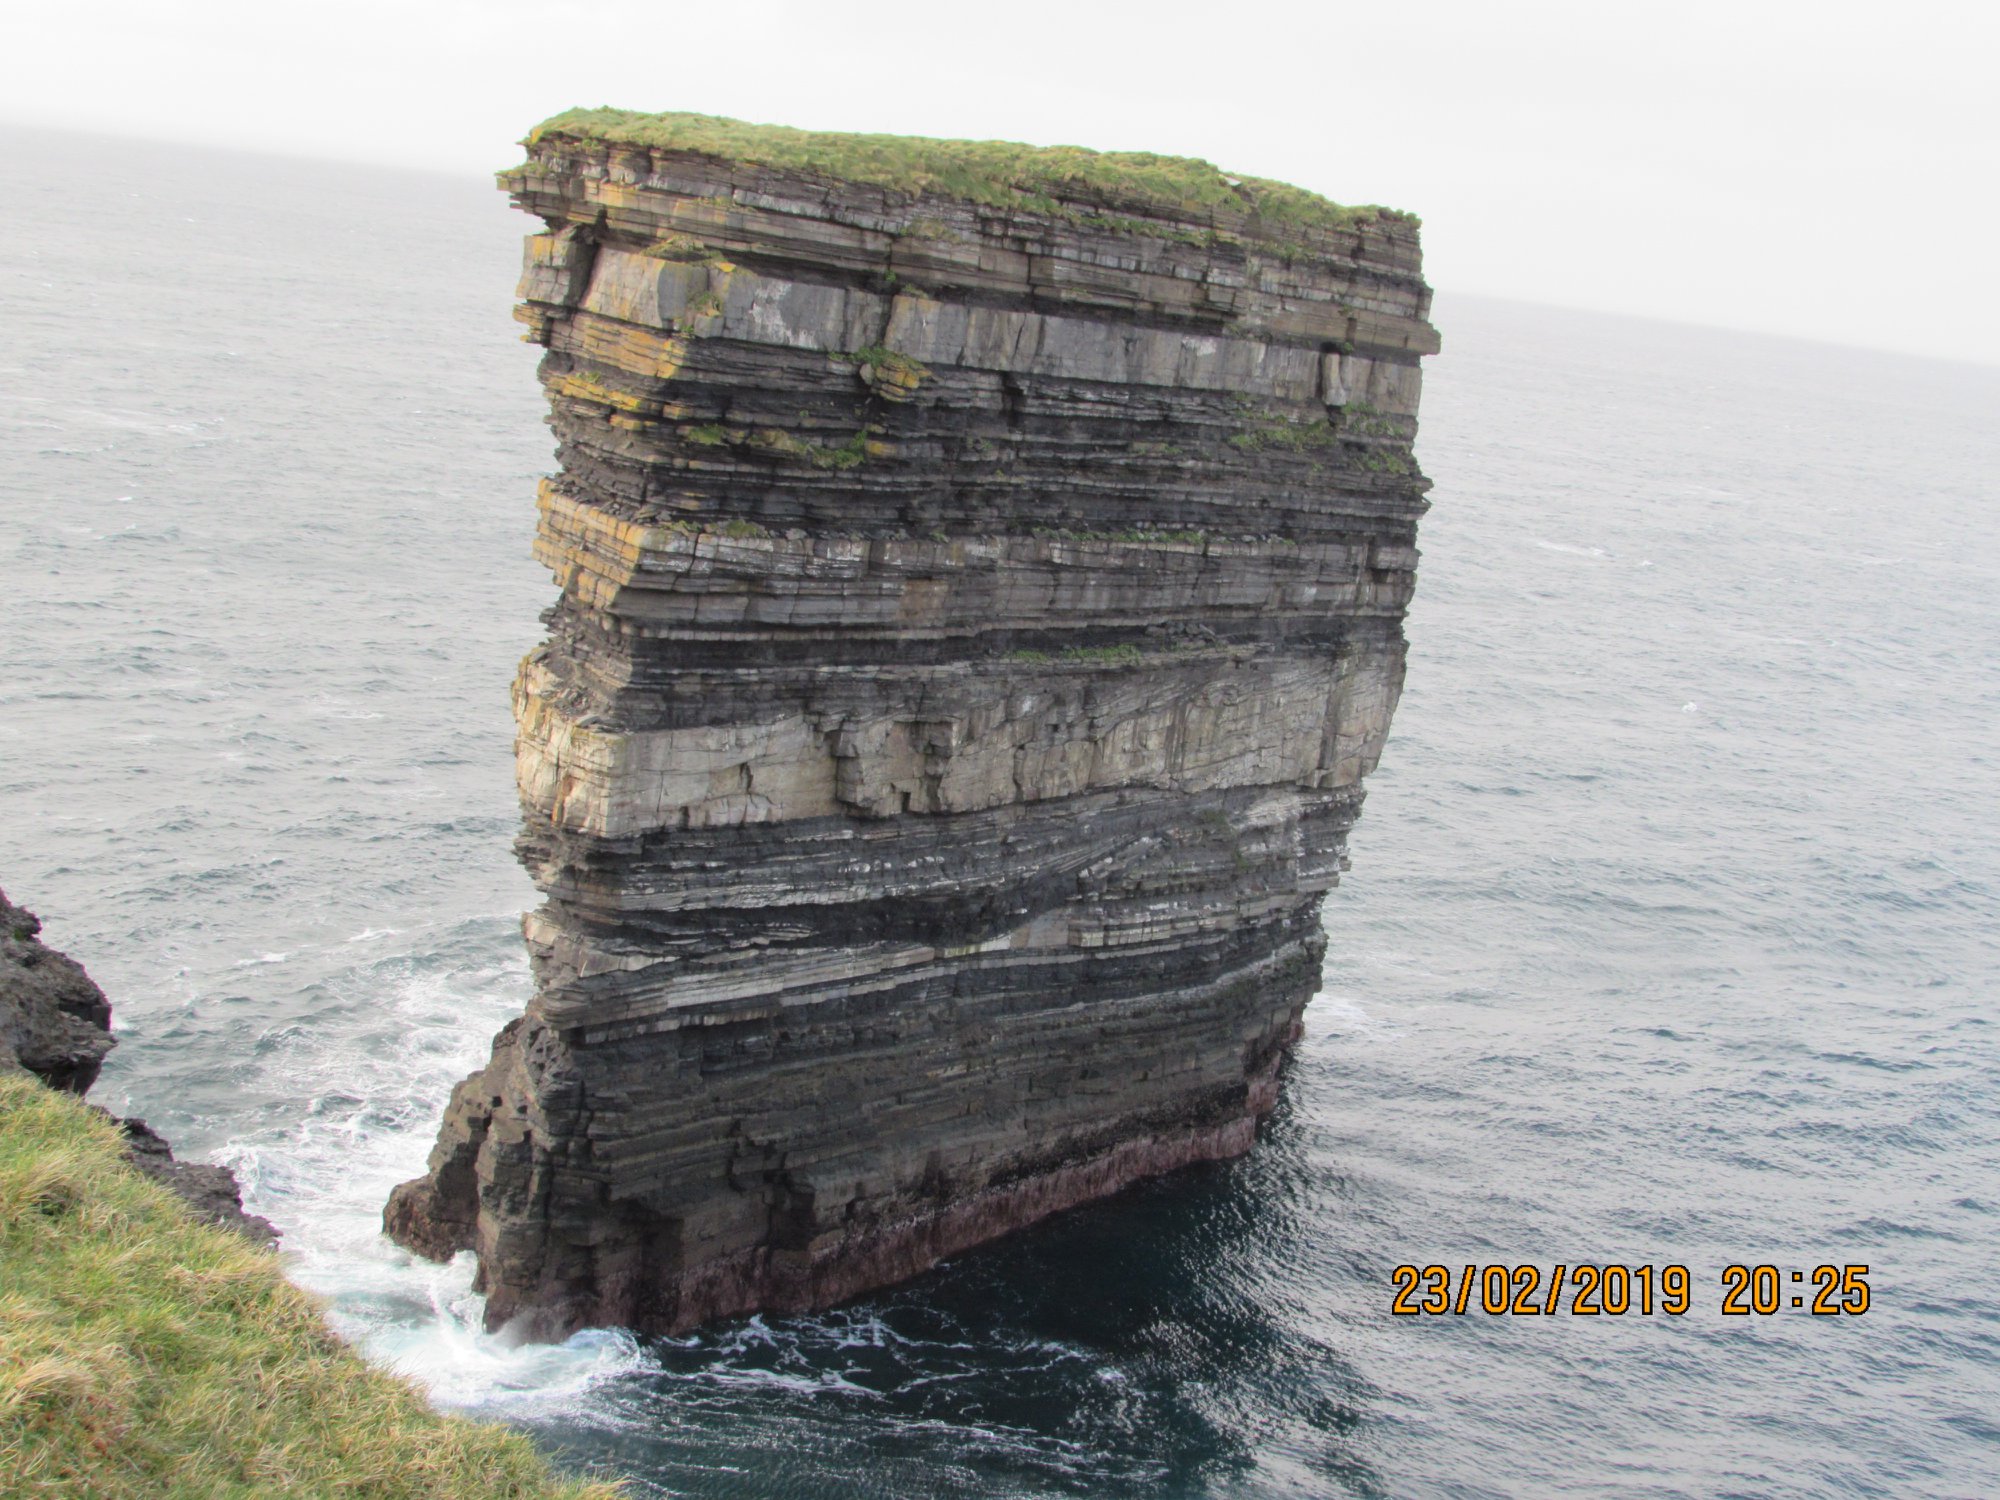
{"x": 1003, "y": 173}
{"x": 144, "y": 1354}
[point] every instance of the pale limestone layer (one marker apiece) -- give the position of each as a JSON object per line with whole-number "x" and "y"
{"x": 988, "y": 738}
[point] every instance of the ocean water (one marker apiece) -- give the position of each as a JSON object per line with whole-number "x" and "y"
{"x": 1670, "y": 938}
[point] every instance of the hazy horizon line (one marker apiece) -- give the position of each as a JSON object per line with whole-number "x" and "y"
{"x": 375, "y": 164}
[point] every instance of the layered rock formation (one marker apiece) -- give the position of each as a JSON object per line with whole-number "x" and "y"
{"x": 56, "y": 1024}
{"x": 982, "y": 579}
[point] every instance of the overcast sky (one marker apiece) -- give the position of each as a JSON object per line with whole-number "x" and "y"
{"x": 1821, "y": 168}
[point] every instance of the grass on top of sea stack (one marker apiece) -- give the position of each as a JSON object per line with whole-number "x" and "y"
{"x": 145, "y": 1354}
{"x": 1049, "y": 179}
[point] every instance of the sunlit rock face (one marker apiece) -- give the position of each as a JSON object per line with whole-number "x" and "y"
{"x": 981, "y": 602}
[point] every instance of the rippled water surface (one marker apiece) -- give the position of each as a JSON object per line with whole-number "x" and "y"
{"x": 1670, "y": 935}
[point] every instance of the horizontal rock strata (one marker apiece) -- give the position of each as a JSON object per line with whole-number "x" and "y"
{"x": 981, "y": 600}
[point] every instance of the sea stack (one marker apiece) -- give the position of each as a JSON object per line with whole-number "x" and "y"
{"x": 983, "y": 572}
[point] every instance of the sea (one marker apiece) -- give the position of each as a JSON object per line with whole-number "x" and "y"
{"x": 1671, "y": 937}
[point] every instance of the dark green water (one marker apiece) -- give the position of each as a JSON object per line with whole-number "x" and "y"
{"x": 1670, "y": 935}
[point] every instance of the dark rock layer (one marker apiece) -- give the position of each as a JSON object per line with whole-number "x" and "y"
{"x": 56, "y": 1024}
{"x": 977, "y": 620}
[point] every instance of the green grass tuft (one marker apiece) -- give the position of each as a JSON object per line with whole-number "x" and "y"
{"x": 887, "y": 361}
{"x": 143, "y": 1354}
{"x": 684, "y": 248}
{"x": 1290, "y": 434}
{"x": 1069, "y": 181}
{"x": 849, "y": 455}
{"x": 1105, "y": 655}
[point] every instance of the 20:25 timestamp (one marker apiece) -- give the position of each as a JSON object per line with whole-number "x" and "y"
{"x": 1594, "y": 1290}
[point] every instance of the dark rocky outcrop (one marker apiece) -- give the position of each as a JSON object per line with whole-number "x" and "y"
{"x": 983, "y": 574}
{"x": 56, "y": 1024}
{"x": 209, "y": 1190}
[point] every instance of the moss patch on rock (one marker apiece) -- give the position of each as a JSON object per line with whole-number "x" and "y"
{"x": 1063, "y": 180}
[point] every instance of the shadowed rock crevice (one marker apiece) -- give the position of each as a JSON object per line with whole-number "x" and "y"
{"x": 982, "y": 575}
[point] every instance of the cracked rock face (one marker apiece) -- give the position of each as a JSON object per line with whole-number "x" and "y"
{"x": 977, "y": 619}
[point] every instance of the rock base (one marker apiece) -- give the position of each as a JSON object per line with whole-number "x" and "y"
{"x": 765, "y": 1278}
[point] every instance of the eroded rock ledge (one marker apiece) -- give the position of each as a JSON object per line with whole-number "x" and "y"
{"x": 56, "y": 1024}
{"x": 982, "y": 582}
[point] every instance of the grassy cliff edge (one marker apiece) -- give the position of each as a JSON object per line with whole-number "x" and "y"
{"x": 145, "y": 1354}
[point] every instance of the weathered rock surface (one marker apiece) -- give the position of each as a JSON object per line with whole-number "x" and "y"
{"x": 980, "y": 605}
{"x": 56, "y": 1024}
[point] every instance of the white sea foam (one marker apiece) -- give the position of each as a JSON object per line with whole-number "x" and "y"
{"x": 325, "y": 707}
{"x": 1335, "y": 1014}
{"x": 324, "y": 1177}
